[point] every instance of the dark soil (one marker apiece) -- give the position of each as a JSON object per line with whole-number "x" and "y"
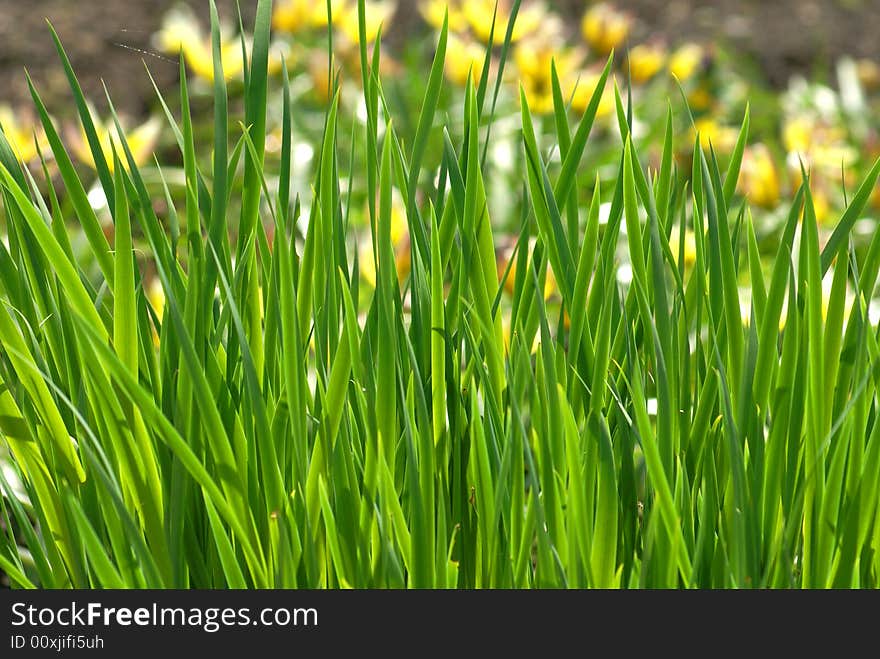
{"x": 104, "y": 40}
{"x": 104, "y": 37}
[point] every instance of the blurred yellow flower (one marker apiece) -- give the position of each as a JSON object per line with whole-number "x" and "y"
{"x": 399, "y": 240}
{"x": 20, "y": 130}
{"x": 502, "y": 260}
{"x": 796, "y": 134}
{"x": 297, "y": 15}
{"x": 402, "y": 261}
{"x": 821, "y": 205}
{"x": 463, "y": 56}
{"x": 645, "y": 60}
{"x": 377, "y": 14}
{"x": 367, "y": 265}
{"x": 819, "y": 182}
{"x": 550, "y": 286}
{"x": 156, "y": 296}
{"x": 686, "y": 61}
{"x": 758, "y": 179}
{"x": 690, "y": 247}
{"x": 605, "y": 27}
{"x": 701, "y": 98}
{"x": 508, "y": 335}
{"x": 534, "y": 60}
{"x": 479, "y": 15}
{"x": 399, "y": 227}
{"x": 141, "y": 141}
{"x": 873, "y": 152}
{"x": 818, "y": 142}
{"x": 320, "y": 76}
{"x": 583, "y": 92}
{"x": 181, "y": 33}
{"x": 875, "y": 197}
{"x": 280, "y": 54}
{"x": 722, "y": 138}
{"x": 822, "y": 149}
{"x": 433, "y": 12}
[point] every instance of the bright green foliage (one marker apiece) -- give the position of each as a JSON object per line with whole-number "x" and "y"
{"x": 278, "y": 426}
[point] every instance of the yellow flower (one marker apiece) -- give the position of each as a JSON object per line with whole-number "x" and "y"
{"x": 550, "y": 286}
{"x": 758, "y": 179}
{"x": 463, "y": 56}
{"x": 156, "y": 296}
{"x": 433, "y": 12}
{"x": 690, "y": 247}
{"x": 376, "y": 15}
{"x": 872, "y": 150}
{"x": 403, "y": 261}
{"x": 796, "y": 134}
{"x": 605, "y": 27}
{"x": 400, "y": 241}
{"x": 819, "y": 144}
{"x": 533, "y": 63}
{"x": 141, "y": 140}
{"x": 722, "y": 138}
{"x": 822, "y": 149}
{"x": 479, "y": 15}
{"x": 503, "y": 255}
{"x": 280, "y": 53}
{"x": 502, "y": 260}
{"x": 686, "y": 61}
{"x": 297, "y": 15}
{"x": 645, "y": 60}
{"x": 399, "y": 227}
{"x": 19, "y": 130}
{"x": 821, "y": 205}
{"x": 583, "y": 92}
{"x": 505, "y": 331}
{"x": 181, "y": 33}
{"x": 319, "y": 74}
{"x": 534, "y": 58}
{"x": 701, "y": 98}
{"x": 818, "y": 183}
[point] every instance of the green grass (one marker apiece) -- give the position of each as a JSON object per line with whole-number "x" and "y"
{"x": 283, "y": 426}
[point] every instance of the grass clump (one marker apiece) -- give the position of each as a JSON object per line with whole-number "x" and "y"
{"x": 280, "y": 423}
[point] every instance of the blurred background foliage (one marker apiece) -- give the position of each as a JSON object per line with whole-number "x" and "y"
{"x": 810, "y": 72}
